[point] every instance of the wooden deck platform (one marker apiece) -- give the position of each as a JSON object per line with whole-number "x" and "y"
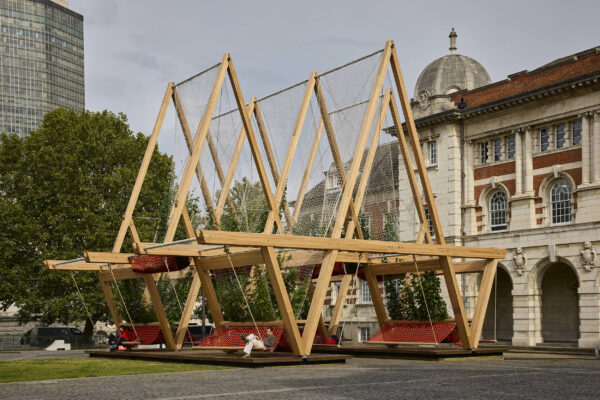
{"x": 411, "y": 352}
{"x": 209, "y": 357}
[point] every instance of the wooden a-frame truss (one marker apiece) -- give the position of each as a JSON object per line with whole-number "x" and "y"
{"x": 259, "y": 248}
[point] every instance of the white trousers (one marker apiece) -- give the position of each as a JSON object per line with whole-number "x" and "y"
{"x": 252, "y": 343}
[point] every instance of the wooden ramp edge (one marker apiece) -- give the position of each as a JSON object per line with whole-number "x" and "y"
{"x": 257, "y": 360}
{"x": 412, "y": 352}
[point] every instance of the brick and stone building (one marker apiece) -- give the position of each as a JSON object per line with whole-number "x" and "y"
{"x": 513, "y": 164}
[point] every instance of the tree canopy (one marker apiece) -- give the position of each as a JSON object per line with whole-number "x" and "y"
{"x": 64, "y": 189}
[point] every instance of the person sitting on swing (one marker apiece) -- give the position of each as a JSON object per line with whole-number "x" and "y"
{"x": 253, "y": 342}
{"x": 123, "y": 335}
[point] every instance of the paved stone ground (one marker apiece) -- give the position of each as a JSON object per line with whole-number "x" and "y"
{"x": 518, "y": 378}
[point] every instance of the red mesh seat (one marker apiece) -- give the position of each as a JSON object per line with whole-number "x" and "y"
{"x": 416, "y": 332}
{"x": 148, "y": 334}
{"x": 230, "y": 336}
{"x": 151, "y": 264}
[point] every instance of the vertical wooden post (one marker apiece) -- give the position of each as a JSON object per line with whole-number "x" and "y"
{"x": 446, "y": 262}
{"x": 348, "y": 188}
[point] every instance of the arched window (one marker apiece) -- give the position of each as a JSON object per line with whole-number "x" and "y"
{"x": 560, "y": 203}
{"x": 498, "y": 212}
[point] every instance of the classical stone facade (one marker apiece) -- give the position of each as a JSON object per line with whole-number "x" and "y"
{"x": 518, "y": 168}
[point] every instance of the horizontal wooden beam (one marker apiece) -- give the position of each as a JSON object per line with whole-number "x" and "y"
{"x": 124, "y": 274}
{"x": 81, "y": 266}
{"x": 291, "y": 258}
{"x": 107, "y": 257}
{"x": 464, "y": 267}
{"x": 258, "y": 323}
{"x": 355, "y": 245}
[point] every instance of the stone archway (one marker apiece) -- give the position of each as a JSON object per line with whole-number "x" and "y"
{"x": 500, "y": 309}
{"x": 559, "y": 304}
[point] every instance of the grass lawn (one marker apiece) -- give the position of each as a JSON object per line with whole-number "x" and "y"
{"x": 59, "y": 368}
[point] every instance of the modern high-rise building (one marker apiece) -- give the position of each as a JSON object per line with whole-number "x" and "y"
{"x": 41, "y": 62}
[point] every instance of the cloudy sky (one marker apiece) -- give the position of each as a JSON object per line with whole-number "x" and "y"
{"x": 134, "y": 48}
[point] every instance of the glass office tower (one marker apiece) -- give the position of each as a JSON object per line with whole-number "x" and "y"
{"x": 41, "y": 62}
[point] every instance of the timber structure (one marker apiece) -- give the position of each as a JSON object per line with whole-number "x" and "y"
{"x": 209, "y": 250}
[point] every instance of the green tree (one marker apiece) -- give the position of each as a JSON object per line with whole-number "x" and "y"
{"x": 249, "y": 214}
{"x": 404, "y": 294}
{"x": 64, "y": 190}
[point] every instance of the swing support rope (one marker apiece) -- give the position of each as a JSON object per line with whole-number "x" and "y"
{"x": 123, "y": 300}
{"x": 425, "y": 299}
{"x": 176, "y": 295}
{"x": 83, "y": 300}
{"x": 243, "y": 294}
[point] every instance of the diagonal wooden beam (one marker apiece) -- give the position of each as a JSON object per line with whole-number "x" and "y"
{"x": 159, "y": 309}
{"x": 345, "y": 200}
{"x": 287, "y": 165}
{"x": 370, "y": 157}
{"x": 254, "y": 147}
{"x": 185, "y": 128}
{"x": 336, "y": 314}
{"x": 262, "y": 130}
{"x": 137, "y": 187}
{"x": 449, "y": 273}
{"x": 192, "y": 162}
{"x": 307, "y": 172}
{"x": 410, "y": 172}
{"x": 237, "y": 151}
{"x": 337, "y": 158}
{"x": 283, "y": 300}
{"x": 483, "y": 297}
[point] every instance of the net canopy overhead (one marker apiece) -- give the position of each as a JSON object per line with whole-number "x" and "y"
{"x": 194, "y": 94}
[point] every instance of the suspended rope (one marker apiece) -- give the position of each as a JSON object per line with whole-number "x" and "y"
{"x": 425, "y": 299}
{"x": 177, "y": 296}
{"x": 122, "y": 300}
{"x": 83, "y": 300}
{"x": 243, "y": 294}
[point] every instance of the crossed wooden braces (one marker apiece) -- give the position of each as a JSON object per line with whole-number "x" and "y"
{"x": 207, "y": 248}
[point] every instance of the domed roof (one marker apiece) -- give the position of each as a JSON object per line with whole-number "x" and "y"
{"x": 446, "y": 75}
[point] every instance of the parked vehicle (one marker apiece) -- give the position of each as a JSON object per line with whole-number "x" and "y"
{"x": 197, "y": 333}
{"x": 43, "y": 336}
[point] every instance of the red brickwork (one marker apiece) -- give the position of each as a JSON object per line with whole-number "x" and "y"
{"x": 563, "y": 157}
{"x": 494, "y": 170}
{"x": 526, "y": 81}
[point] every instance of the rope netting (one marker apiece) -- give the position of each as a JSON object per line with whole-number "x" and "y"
{"x": 151, "y": 264}
{"x": 148, "y": 334}
{"x": 416, "y": 332}
{"x": 231, "y": 336}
